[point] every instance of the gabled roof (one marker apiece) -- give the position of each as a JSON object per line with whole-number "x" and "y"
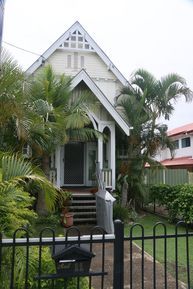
{"x": 188, "y": 128}
{"x": 92, "y": 45}
{"x": 83, "y": 76}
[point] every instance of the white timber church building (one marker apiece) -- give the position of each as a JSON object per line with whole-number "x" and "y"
{"x": 76, "y": 54}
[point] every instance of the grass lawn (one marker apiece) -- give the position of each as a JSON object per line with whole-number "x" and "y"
{"x": 148, "y": 221}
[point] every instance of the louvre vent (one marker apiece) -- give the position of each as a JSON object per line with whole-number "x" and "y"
{"x": 76, "y": 41}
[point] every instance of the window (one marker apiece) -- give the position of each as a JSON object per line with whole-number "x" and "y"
{"x": 82, "y": 61}
{"x": 73, "y": 45}
{"x": 185, "y": 142}
{"x": 75, "y": 60}
{"x": 176, "y": 144}
{"x": 68, "y": 61}
{"x": 80, "y": 45}
{"x": 80, "y": 38}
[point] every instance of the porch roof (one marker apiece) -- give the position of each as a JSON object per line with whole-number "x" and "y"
{"x": 83, "y": 76}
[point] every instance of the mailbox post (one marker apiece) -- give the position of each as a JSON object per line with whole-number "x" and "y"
{"x": 73, "y": 259}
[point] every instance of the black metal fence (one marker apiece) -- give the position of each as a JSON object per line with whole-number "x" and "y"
{"x": 120, "y": 261}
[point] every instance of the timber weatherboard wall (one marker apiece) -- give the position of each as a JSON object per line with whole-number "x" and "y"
{"x": 95, "y": 67}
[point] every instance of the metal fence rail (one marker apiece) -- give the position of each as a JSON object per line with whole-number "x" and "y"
{"x": 131, "y": 266}
{"x": 10, "y": 249}
{"x": 168, "y": 278}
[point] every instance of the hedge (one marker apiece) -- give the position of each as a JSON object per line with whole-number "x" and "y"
{"x": 177, "y": 199}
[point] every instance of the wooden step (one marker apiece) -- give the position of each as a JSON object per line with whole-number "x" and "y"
{"x": 83, "y": 201}
{"x": 83, "y": 194}
{"x": 84, "y": 213}
{"x": 85, "y": 220}
{"x": 82, "y": 207}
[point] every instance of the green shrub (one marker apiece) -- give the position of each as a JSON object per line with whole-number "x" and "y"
{"x": 182, "y": 206}
{"x": 161, "y": 193}
{"x": 124, "y": 214}
{"x": 48, "y": 267}
{"x": 120, "y": 213}
{"x": 52, "y": 219}
{"x": 177, "y": 199}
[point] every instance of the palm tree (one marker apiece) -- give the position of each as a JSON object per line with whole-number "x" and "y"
{"x": 11, "y": 88}
{"x": 40, "y": 112}
{"x": 11, "y": 97}
{"x": 142, "y": 104}
{"x": 18, "y": 122}
{"x": 63, "y": 116}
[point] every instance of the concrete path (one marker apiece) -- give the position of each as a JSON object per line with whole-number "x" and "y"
{"x": 96, "y": 265}
{"x": 148, "y": 269}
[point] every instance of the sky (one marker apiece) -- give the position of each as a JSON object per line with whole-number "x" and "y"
{"x": 156, "y": 35}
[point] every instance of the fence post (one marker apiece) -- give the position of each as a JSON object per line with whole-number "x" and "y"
{"x": 118, "y": 270}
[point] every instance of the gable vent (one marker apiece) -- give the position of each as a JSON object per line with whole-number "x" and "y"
{"x": 76, "y": 41}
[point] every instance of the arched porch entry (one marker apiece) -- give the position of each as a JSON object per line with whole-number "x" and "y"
{"x": 103, "y": 120}
{"x": 106, "y": 153}
{"x": 76, "y": 161}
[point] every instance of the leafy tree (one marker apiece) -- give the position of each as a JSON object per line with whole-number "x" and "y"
{"x": 142, "y": 103}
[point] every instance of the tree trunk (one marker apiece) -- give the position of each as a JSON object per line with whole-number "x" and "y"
{"x": 46, "y": 165}
{"x": 124, "y": 194}
{"x": 41, "y": 208}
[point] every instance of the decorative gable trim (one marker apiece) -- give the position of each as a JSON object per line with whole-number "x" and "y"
{"x": 83, "y": 76}
{"x": 87, "y": 40}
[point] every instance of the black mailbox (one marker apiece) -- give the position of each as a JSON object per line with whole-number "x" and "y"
{"x": 72, "y": 259}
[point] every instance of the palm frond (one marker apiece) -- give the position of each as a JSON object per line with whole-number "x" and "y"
{"x": 13, "y": 167}
{"x": 17, "y": 171}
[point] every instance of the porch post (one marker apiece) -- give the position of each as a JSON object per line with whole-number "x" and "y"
{"x": 112, "y": 154}
{"x": 100, "y": 148}
{"x": 58, "y": 166}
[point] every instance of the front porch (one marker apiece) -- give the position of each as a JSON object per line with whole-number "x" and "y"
{"x": 74, "y": 164}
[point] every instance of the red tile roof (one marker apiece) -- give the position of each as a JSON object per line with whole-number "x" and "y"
{"x": 182, "y": 129}
{"x": 183, "y": 161}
